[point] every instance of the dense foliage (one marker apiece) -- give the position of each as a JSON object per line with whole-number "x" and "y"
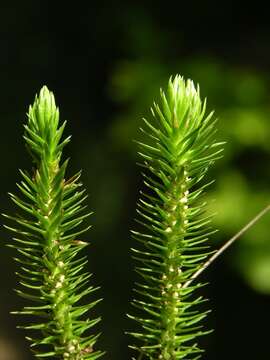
{"x": 177, "y": 153}
{"x": 47, "y": 234}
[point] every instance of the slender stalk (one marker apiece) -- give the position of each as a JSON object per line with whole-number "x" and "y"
{"x": 227, "y": 244}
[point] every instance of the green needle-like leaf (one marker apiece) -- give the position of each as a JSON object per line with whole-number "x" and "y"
{"x": 51, "y": 271}
{"x": 177, "y": 153}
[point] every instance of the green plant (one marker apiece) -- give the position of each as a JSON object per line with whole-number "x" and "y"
{"x": 47, "y": 241}
{"x": 182, "y": 146}
{"x": 175, "y": 226}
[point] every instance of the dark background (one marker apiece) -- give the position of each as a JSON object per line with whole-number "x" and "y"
{"x": 105, "y": 62}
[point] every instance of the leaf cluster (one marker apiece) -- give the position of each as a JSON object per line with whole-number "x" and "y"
{"x": 174, "y": 228}
{"x": 47, "y": 239}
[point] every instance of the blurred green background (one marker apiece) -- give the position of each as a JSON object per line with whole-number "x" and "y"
{"x": 105, "y": 62}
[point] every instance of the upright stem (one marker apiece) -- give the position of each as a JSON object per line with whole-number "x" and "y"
{"x": 175, "y": 208}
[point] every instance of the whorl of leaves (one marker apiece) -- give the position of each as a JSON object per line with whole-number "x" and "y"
{"x": 47, "y": 230}
{"x": 179, "y": 148}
